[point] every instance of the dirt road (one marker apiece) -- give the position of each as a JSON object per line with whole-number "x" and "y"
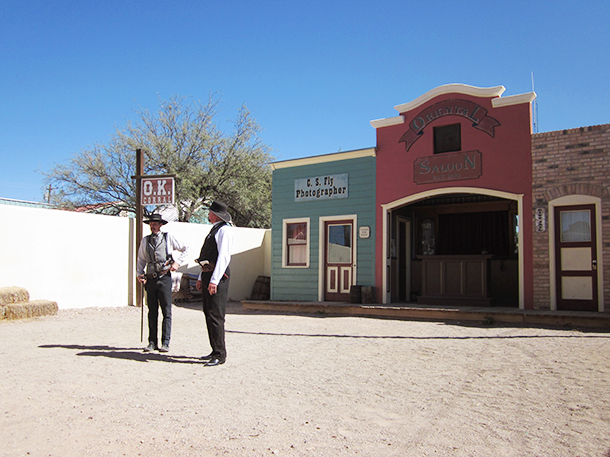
{"x": 78, "y": 384}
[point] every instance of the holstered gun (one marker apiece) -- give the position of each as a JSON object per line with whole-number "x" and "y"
{"x": 154, "y": 275}
{"x": 207, "y": 267}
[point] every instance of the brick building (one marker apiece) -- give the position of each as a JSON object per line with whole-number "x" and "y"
{"x": 570, "y": 167}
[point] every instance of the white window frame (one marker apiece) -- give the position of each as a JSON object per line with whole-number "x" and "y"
{"x": 299, "y": 220}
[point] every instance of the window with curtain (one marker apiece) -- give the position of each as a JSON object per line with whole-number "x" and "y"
{"x": 575, "y": 226}
{"x": 296, "y": 243}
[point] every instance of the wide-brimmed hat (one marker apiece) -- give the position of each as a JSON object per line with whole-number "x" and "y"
{"x": 220, "y": 209}
{"x": 155, "y": 218}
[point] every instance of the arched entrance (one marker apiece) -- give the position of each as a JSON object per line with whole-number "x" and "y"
{"x": 458, "y": 246}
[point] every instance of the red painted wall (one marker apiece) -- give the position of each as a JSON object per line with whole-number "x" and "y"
{"x": 505, "y": 158}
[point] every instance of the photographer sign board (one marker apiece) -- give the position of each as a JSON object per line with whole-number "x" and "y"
{"x": 321, "y": 187}
{"x": 157, "y": 191}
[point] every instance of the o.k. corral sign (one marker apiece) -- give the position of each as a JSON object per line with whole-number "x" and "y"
{"x": 447, "y": 167}
{"x": 157, "y": 191}
{"x": 320, "y": 187}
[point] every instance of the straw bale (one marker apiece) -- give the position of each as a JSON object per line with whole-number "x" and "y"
{"x": 29, "y": 309}
{"x": 13, "y": 294}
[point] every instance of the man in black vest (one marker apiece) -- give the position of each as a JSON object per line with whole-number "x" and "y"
{"x": 213, "y": 281}
{"x": 154, "y": 266}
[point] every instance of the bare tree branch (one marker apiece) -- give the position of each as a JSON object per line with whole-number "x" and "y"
{"x": 181, "y": 138}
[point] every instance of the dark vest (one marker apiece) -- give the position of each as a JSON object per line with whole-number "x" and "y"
{"x": 209, "y": 250}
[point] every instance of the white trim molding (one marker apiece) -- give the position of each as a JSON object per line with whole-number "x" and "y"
{"x": 325, "y": 158}
{"x": 285, "y": 223}
{"x": 449, "y": 89}
{"x": 378, "y": 123}
{"x": 494, "y": 92}
{"x": 513, "y": 99}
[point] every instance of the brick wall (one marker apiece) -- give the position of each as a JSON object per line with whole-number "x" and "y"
{"x": 569, "y": 162}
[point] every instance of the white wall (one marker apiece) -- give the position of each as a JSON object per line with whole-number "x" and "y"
{"x": 250, "y": 257}
{"x": 83, "y": 260}
{"x": 77, "y": 260}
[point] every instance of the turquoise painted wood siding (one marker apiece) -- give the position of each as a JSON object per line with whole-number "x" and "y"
{"x": 301, "y": 284}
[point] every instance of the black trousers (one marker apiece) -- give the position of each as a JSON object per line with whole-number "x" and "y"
{"x": 159, "y": 294}
{"x": 214, "y": 309}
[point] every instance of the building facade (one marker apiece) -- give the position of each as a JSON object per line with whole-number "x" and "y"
{"x": 571, "y": 178}
{"x": 323, "y": 226}
{"x": 458, "y": 203}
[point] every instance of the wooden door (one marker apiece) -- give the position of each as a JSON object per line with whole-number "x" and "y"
{"x": 576, "y": 257}
{"x": 338, "y": 260}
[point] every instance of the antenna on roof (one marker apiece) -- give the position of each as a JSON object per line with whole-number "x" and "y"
{"x": 534, "y": 108}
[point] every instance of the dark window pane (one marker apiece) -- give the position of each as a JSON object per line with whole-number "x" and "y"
{"x": 447, "y": 138}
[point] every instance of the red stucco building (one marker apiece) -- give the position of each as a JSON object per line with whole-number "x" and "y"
{"x": 472, "y": 208}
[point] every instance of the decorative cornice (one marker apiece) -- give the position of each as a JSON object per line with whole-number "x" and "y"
{"x": 489, "y": 92}
{"x": 451, "y": 89}
{"x": 513, "y": 99}
{"x": 356, "y": 154}
{"x": 377, "y": 123}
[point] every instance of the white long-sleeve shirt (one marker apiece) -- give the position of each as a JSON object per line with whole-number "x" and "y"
{"x": 173, "y": 245}
{"x": 224, "y": 241}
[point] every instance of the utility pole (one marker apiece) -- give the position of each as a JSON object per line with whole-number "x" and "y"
{"x": 161, "y": 194}
{"x": 49, "y": 195}
{"x": 139, "y": 215}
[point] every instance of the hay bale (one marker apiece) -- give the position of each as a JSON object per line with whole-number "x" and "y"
{"x": 13, "y": 294}
{"x": 30, "y": 309}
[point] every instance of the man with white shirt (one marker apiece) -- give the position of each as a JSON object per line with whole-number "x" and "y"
{"x": 214, "y": 280}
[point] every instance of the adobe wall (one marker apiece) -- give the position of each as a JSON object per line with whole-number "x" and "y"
{"x": 569, "y": 162}
{"x": 88, "y": 260}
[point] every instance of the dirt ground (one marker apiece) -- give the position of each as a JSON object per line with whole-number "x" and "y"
{"x": 78, "y": 384}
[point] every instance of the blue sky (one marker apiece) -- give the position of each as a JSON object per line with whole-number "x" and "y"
{"x": 313, "y": 73}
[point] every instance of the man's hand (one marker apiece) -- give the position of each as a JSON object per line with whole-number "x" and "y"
{"x": 212, "y": 289}
{"x": 198, "y": 284}
{"x": 142, "y": 279}
{"x": 174, "y": 266}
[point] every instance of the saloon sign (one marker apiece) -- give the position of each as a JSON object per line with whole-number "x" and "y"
{"x": 447, "y": 167}
{"x": 456, "y": 107}
{"x": 157, "y": 191}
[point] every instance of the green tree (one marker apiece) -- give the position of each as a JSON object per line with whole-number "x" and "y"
{"x": 181, "y": 138}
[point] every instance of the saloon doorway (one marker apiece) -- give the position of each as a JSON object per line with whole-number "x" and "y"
{"x": 457, "y": 249}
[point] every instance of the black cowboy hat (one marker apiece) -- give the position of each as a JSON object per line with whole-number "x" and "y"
{"x": 220, "y": 209}
{"x": 155, "y": 218}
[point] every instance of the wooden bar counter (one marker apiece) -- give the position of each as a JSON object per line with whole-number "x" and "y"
{"x": 455, "y": 280}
